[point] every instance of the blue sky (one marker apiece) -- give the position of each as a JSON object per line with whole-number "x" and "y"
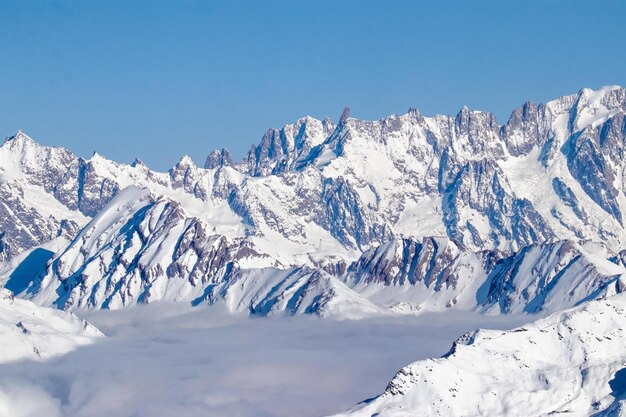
{"x": 159, "y": 79}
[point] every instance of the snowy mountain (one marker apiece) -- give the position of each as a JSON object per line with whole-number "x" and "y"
{"x": 142, "y": 248}
{"x": 407, "y": 213}
{"x": 28, "y": 331}
{"x": 570, "y": 363}
{"x": 435, "y": 274}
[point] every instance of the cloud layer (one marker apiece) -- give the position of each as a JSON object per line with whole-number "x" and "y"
{"x": 168, "y": 360}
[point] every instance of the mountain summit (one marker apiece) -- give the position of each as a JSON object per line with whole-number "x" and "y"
{"x": 448, "y": 205}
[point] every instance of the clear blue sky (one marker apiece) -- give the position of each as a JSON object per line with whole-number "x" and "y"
{"x": 159, "y": 79}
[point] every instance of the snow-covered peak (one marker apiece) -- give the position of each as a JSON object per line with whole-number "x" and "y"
{"x": 281, "y": 150}
{"x": 464, "y": 112}
{"x": 276, "y": 144}
{"x": 593, "y": 107}
{"x": 328, "y": 125}
{"x": 317, "y": 195}
{"x": 185, "y": 161}
{"x": 19, "y": 137}
{"x": 20, "y": 155}
{"x": 413, "y": 112}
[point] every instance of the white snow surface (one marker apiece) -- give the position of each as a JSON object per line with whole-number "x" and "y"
{"x": 392, "y": 165}
{"x": 28, "y": 331}
{"x": 570, "y": 363}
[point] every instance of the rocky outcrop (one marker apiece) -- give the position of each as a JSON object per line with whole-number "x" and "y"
{"x": 281, "y": 149}
{"x": 218, "y": 159}
{"x": 481, "y": 210}
{"x": 440, "y": 273}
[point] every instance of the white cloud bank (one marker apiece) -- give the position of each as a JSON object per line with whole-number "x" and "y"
{"x": 163, "y": 360}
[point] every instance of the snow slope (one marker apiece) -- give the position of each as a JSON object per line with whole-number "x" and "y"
{"x": 28, "y": 331}
{"x": 143, "y": 247}
{"x": 570, "y": 363}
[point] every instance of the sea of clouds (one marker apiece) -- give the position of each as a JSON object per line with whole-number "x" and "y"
{"x": 169, "y": 360}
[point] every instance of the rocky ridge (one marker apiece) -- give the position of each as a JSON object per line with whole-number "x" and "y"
{"x": 321, "y": 197}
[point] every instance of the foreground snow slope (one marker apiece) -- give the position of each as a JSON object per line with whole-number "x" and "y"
{"x": 28, "y": 331}
{"x": 570, "y": 363}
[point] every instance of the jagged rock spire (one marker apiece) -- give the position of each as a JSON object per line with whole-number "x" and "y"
{"x": 344, "y": 115}
{"x": 218, "y": 158}
{"x": 413, "y": 111}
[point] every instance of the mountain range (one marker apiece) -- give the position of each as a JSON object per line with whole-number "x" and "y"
{"x": 403, "y": 215}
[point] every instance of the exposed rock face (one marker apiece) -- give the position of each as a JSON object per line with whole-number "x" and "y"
{"x": 441, "y": 274}
{"x": 549, "y": 276}
{"x": 28, "y": 172}
{"x": 405, "y": 261}
{"x": 345, "y": 216}
{"x": 218, "y": 159}
{"x": 23, "y": 226}
{"x": 143, "y": 248}
{"x": 150, "y": 241}
{"x": 484, "y": 185}
{"x": 281, "y": 148}
{"x": 480, "y": 209}
{"x": 156, "y": 251}
{"x": 405, "y": 214}
{"x": 589, "y": 167}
